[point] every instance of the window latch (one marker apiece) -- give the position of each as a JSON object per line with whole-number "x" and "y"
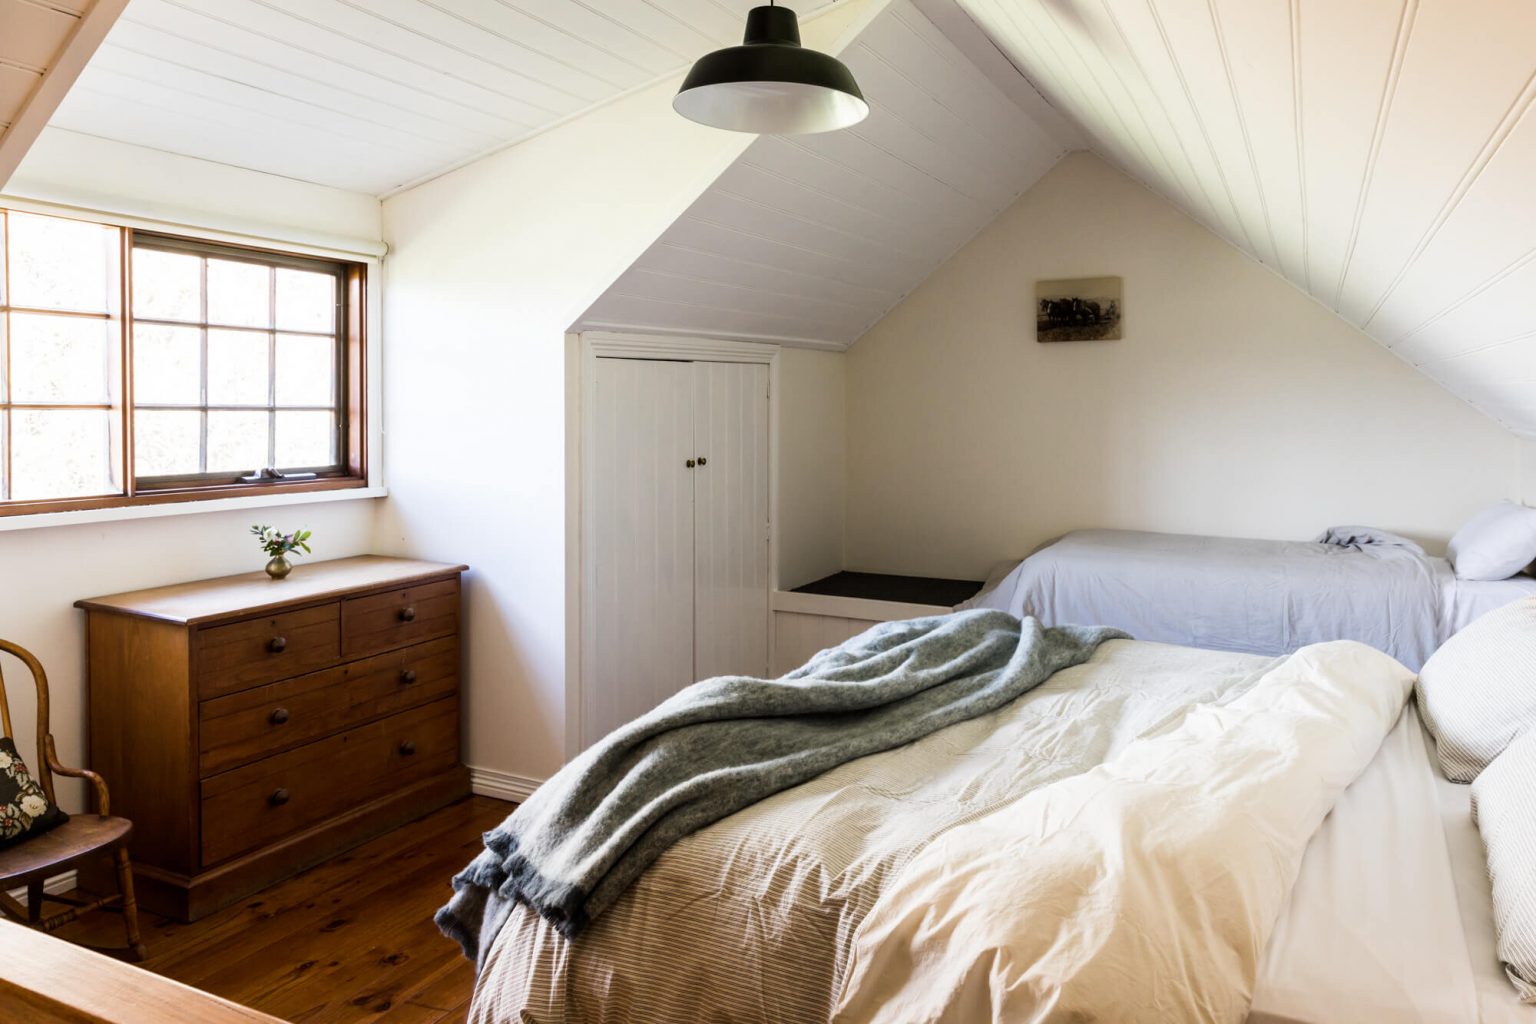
{"x": 272, "y": 474}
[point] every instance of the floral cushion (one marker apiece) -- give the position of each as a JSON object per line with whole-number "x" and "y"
{"x": 24, "y": 810}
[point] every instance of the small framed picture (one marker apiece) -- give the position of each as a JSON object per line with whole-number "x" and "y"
{"x": 1080, "y": 309}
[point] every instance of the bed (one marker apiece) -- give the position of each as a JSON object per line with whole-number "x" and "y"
{"x": 758, "y": 917}
{"x": 1252, "y": 596}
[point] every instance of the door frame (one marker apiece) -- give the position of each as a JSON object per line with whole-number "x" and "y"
{"x": 582, "y": 352}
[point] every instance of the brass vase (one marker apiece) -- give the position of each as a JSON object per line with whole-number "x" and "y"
{"x": 279, "y": 567}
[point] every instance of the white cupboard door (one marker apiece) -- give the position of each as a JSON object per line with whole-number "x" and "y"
{"x": 637, "y": 640}
{"x": 731, "y": 519}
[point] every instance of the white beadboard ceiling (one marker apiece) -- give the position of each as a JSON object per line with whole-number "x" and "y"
{"x": 43, "y": 46}
{"x": 374, "y": 95}
{"x": 1381, "y": 154}
{"x": 810, "y": 239}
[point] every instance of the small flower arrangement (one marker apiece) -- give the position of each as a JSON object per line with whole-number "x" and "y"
{"x": 279, "y": 546}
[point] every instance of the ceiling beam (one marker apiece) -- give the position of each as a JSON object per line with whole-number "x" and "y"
{"x": 91, "y": 28}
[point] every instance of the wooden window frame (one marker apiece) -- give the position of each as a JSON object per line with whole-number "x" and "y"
{"x": 352, "y": 391}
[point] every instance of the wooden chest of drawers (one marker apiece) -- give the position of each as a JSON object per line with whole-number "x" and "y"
{"x": 252, "y": 727}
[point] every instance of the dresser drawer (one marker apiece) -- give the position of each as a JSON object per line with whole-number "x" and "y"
{"x": 265, "y": 720}
{"x": 395, "y": 618}
{"x": 248, "y": 807}
{"x": 246, "y": 654}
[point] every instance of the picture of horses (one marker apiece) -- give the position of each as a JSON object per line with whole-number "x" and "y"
{"x": 1082, "y": 309}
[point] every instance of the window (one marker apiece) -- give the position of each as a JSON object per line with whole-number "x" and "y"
{"x": 144, "y": 367}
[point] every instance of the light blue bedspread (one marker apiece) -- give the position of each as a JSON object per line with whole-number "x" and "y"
{"x": 1234, "y": 594}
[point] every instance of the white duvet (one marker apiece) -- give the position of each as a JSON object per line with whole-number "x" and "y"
{"x": 1144, "y": 889}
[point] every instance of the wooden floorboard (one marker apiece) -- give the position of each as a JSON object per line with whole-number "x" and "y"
{"x": 350, "y": 941}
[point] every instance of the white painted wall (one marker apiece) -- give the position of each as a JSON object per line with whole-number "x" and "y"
{"x": 47, "y": 569}
{"x": 811, "y": 464}
{"x": 488, "y": 267}
{"x": 1236, "y": 405}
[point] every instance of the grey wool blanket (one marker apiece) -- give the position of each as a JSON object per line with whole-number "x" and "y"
{"x": 720, "y": 745}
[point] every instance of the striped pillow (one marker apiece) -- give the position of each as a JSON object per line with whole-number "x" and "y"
{"x": 1477, "y": 693}
{"x": 1504, "y": 805}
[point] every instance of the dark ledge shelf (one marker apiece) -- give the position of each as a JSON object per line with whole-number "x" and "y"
{"x": 875, "y": 586}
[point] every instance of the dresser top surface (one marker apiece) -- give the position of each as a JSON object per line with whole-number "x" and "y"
{"x": 254, "y": 592}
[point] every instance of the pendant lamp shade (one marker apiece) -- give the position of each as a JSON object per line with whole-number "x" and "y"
{"x": 771, "y": 84}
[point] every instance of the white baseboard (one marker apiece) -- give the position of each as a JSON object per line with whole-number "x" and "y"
{"x": 53, "y": 886}
{"x": 501, "y": 785}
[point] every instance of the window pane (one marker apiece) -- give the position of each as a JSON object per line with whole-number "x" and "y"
{"x": 167, "y": 365}
{"x": 167, "y": 285}
{"x": 167, "y": 443}
{"x": 239, "y": 294}
{"x": 237, "y": 441}
{"x": 61, "y": 453}
{"x": 306, "y": 370}
{"x": 238, "y": 367}
{"x": 306, "y": 301}
{"x": 62, "y": 359}
{"x": 305, "y": 439}
{"x": 62, "y": 264}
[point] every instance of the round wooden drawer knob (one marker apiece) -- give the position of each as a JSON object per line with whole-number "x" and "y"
{"x": 408, "y": 676}
{"x": 407, "y": 614}
{"x": 278, "y": 716}
{"x": 278, "y": 798}
{"x": 278, "y": 644}
{"x": 407, "y": 748}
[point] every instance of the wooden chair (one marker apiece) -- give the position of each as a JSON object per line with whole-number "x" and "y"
{"x": 33, "y": 860}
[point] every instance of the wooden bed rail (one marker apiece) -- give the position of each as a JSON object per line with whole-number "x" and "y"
{"x": 44, "y": 980}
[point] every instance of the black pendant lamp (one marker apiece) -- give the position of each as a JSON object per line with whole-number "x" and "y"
{"x": 771, "y": 84}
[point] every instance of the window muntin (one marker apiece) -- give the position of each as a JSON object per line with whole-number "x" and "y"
{"x": 60, "y": 359}
{"x": 241, "y": 361}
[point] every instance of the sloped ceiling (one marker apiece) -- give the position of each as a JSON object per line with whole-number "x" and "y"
{"x": 375, "y": 95}
{"x": 810, "y": 239}
{"x": 43, "y": 46}
{"x": 1381, "y": 154}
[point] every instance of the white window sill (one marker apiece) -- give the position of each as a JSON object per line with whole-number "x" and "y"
{"x": 184, "y": 508}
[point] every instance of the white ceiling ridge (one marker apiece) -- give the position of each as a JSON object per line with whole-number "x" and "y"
{"x": 1479, "y": 350}
{"x": 358, "y": 69}
{"x": 791, "y": 140}
{"x": 1510, "y": 269}
{"x": 856, "y": 307}
{"x": 714, "y": 307}
{"x": 758, "y": 236}
{"x": 1378, "y": 134}
{"x": 1247, "y": 133}
{"x": 407, "y": 58}
{"x": 745, "y": 161}
{"x": 118, "y": 45}
{"x": 328, "y": 129}
{"x": 1518, "y": 109}
{"x": 758, "y": 264}
{"x": 846, "y": 232}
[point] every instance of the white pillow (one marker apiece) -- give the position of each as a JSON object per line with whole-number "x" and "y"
{"x": 1494, "y": 544}
{"x": 1504, "y": 806}
{"x": 1477, "y": 693}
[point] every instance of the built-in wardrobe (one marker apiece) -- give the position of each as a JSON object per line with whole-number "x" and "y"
{"x": 675, "y": 531}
